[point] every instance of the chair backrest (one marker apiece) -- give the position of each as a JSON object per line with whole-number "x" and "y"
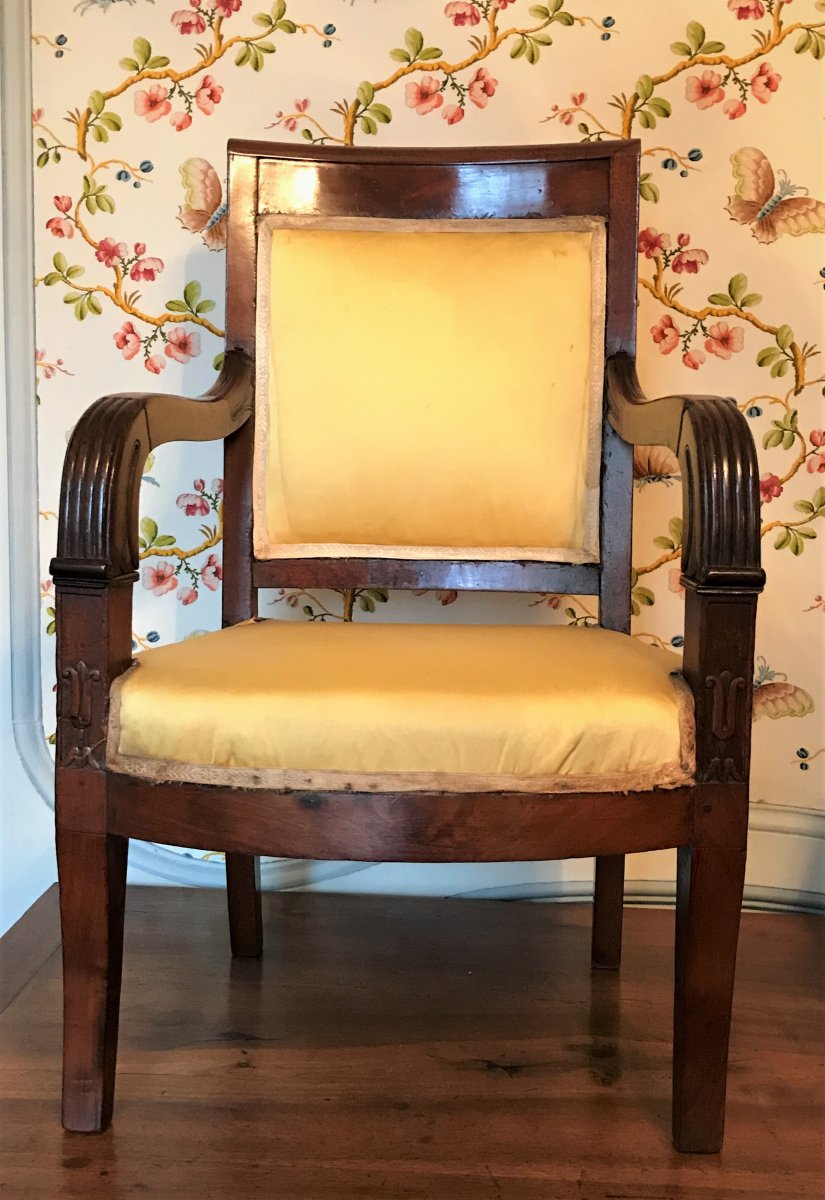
{"x": 430, "y": 329}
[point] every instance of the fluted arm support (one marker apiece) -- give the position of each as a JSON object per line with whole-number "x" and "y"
{"x": 720, "y": 479}
{"x": 98, "y": 530}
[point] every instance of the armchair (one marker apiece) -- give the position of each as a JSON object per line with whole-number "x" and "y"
{"x": 444, "y": 743}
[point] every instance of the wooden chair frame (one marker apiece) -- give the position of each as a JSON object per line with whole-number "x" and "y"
{"x": 96, "y": 566}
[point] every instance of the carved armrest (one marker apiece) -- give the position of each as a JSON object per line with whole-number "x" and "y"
{"x": 98, "y": 527}
{"x": 720, "y": 480}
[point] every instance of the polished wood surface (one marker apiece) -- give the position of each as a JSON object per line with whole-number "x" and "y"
{"x": 26, "y": 946}
{"x": 383, "y": 1050}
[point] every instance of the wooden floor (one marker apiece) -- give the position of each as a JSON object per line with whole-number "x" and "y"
{"x": 404, "y": 1048}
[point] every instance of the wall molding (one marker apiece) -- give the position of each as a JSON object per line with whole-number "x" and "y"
{"x": 26, "y": 669}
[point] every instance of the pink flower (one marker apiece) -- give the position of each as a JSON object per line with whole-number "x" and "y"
{"x": 747, "y": 9}
{"x": 212, "y": 573}
{"x": 674, "y": 581}
{"x": 816, "y": 463}
{"x": 652, "y": 243}
{"x": 769, "y": 487}
{"x": 578, "y": 98}
{"x": 682, "y": 240}
{"x": 37, "y": 115}
{"x": 199, "y": 485}
{"x": 423, "y": 96}
{"x": 152, "y": 104}
{"x": 182, "y": 345}
{"x": 482, "y": 87}
{"x": 127, "y": 340}
{"x": 193, "y": 504}
{"x": 566, "y": 118}
{"x": 60, "y": 227}
{"x": 146, "y": 268}
{"x": 724, "y": 341}
{"x": 693, "y": 359}
{"x": 502, "y": 4}
{"x": 764, "y": 83}
{"x": 180, "y": 121}
{"x": 704, "y": 90}
{"x": 154, "y": 364}
{"x": 188, "y": 22}
{"x": 452, "y": 114}
{"x": 208, "y": 95}
{"x": 817, "y": 437}
{"x": 227, "y": 7}
{"x": 187, "y": 595}
{"x": 462, "y": 14}
{"x": 140, "y": 248}
{"x": 217, "y": 487}
{"x": 160, "y": 579}
{"x": 63, "y": 203}
{"x": 734, "y": 109}
{"x": 689, "y": 261}
{"x": 110, "y": 252}
{"x": 665, "y": 334}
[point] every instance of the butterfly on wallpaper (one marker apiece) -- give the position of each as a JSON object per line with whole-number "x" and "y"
{"x": 771, "y": 209}
{"x": 204, "y": 209}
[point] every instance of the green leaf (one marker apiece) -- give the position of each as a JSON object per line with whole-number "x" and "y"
{"x": 192, "y": 293}
{"x": 278, "y": 10}
{"x": 73, "y": 297}
{"x": 664, "y": 542}
{"x": 767, "y": 355}
{"x": 414, "y": 41}
{"x": 149, "y": 529}
{"x": 129, "y": 64}
{"x": 400, "y": 56}
{"x": 306, "y": 134}
{"x": 646, "y": 119}
{"x": 797, "y": 544}
{"x": 381, "y": 113}
{"x": 784, "y": 336}
{"x": 99, "y": 133}
{"x": 205, "y": 306}
{"x": 105, "y": 203}
{"x": 97, "y": 102}
{"x": 542, "y": 39}
{"x": 675, "y": 527}
{"x": 367, "y": 125}
{"x": 804, "y": 506}
{"x": 712, "y": 47}
{"x": 176, "y": 306}
{"x": 42, "y": 159}
{"x": 532, "y": 52}
{"x": 644, "y": 595}
{"x": 737, "y": 287}
{"x": 751, "y": 300}
{"x": 111, "y": 121}
{"x": 265, "y": 47}
{"x": 804, "y": 42}
{"x": 648, "y": 190}
{"x": 287, "y": 26}
{"x": 217, "y": 361}
{"x": 779, "y": 369}
{"x": 263, "y": 19}
{"x": 563, "y": 18}
{"x": 52, "y": 278}
{"x": 644, "y": 87}
{"x": 555, "y": 5}
{"x": 143, "y": 51}
{"x": 819, "y": 498}
{"x": 165, "y": 539}
{"x": 94, "y": 304}
{"x": 660, "y": 106}
{"x": 721, "y": 298}
{"x": 539, "y": 12}
{"x": 695, "y": 35}
{"x": 772, "y": 439}
{"x": 783, "y": 539}
{"x": 41, "y": 142}
{"x": 365, "y": 93}
{"x": 60, "y": 263}
{"x": 682, "y": 49}
{"x": 787, "y": 440}
{"x": 518, "y": 47}
{"x": 243, "y": 56}
{"x": 804, "y": 532}
{"x": 430, "y": 54}
{"x": 366, "y": 603}
{"x": 257, "y": 59}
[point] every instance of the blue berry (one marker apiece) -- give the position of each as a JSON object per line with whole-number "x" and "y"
{"x": 802, "y": 752}
{"x": 754, "y": 411}
{"x": 677, "y": 641}
{"x": 123, "y": 176}
{"x": 61, "y": 39}
{"x": 58, "y": 53}
{"x": 153, "y": 636}
{"x": 329, "y": 30}
{"x": 136, "y": 183}
{"x": 146, "y": 166}
{"x": 608, "y": 22}
{"x": 803, "y": 766}
{"x": 695, "y": 154}
{"x": 822, "y": 272}
{"x": 605, "y": 37}
{"x": 326, "y": 42}
{"x": 134, "y": 644}
{"x": 669, "y": 164}
{"x": 684, "y": 174}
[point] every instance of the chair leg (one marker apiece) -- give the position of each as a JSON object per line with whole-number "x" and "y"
{"x": 243, "y": 894}
{"x": 708, "y": 904}
{"x": 608, "y": 901}
{"x": 92, "y": 875}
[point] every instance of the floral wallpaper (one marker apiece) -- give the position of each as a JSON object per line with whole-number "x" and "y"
{"x": 134, "y": 101}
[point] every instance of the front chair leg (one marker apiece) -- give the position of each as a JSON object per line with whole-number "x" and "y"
{"x": 608, "y": 902}
{"x": 710, "y": 881}
{"x": 243, "y": 894}
{"x": 92, "y": 874}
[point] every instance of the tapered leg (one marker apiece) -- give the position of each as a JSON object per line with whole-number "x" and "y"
{"x": 608, "y": 901}
{"x": 92, "y": 875}
{"x": 708, "y": 905}
{"x": 243, "y": 894}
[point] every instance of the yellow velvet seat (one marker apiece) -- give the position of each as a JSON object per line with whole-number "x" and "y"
{"x": 374, "y": 707}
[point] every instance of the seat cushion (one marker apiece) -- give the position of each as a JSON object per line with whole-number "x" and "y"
{"x": 368, "y": 707}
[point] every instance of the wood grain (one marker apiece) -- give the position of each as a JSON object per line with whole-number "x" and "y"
{"x": 28, "y": 944}
{"x": 384, "y": 1051}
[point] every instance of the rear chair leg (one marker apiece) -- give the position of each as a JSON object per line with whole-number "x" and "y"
{"x": 92, "y": 876}
{"x": 710, "y": 880}
{"x": 243, "y": 894}
{"x": 608, "y": 901}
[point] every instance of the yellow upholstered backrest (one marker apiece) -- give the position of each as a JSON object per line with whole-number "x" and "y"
{"x": 429, "y": 388}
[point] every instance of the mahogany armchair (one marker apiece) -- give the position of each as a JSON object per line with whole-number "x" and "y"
{"x": 498, "y": 456}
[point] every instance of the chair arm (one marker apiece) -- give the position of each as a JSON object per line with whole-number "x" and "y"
{"x": 98, "y": 526}
{"x": 722, "y": 528}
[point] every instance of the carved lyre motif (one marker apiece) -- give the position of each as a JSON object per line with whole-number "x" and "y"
{"x": 723, "y": 719}
{"x": 80, "y": 693}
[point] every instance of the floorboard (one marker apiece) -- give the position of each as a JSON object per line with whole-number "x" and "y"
{"x": 416, "y": 1048}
